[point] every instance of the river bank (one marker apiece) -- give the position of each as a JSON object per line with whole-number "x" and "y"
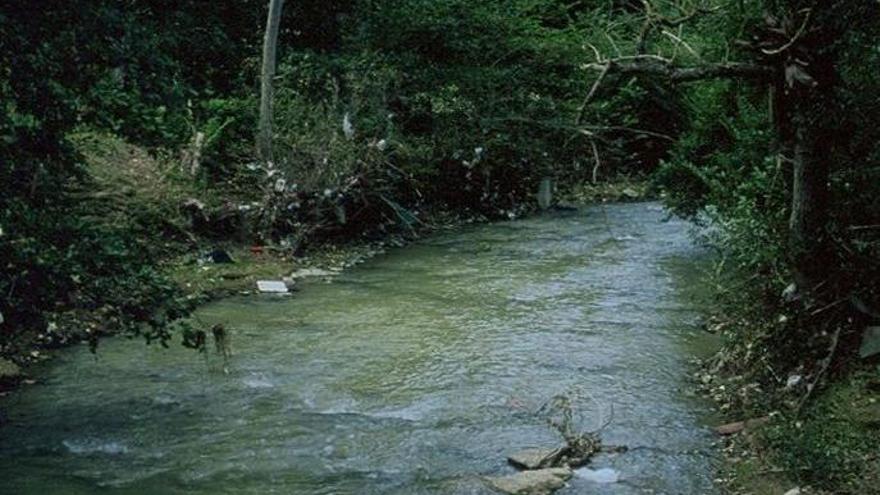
{"x": 799, "y": 421}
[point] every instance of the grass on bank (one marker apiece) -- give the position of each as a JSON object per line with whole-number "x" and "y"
{"x": 833, "y": 447}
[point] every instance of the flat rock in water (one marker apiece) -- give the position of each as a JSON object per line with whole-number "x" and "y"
{"x": 602, "y": 476}
{"x": 272, "y": 286}
{"x": 530, "y": 458}
{"x": 537, "y": 482}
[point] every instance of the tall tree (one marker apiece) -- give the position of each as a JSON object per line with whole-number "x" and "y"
{"x": 267, "y": 75}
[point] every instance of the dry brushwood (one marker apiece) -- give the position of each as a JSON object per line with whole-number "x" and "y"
{"x": 580, "y": 446}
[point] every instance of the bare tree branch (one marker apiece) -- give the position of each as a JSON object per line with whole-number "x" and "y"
{"x": 793, "y": 40}
{"x": 673, "y": 73}
{"x": 653, "y": 20}
{"x": 597, "y": 163}
{"x": 681, "y": 42}
{"x": 589, "y": 97}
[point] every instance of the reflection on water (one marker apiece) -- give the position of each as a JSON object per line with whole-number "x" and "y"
{"x": 416, "y": 373}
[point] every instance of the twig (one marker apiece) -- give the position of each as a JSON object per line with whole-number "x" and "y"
{"x": 628, "y": 129}
{"x": 827, "y": 307}
{"x": 793, "y": 40}
{"x": 589, "y": 97}
{"x": 596, "y": 52}
{"x": 832, "y": 349}
{"x": 586, "y": 130}
{"x": 690, "y": 15}
{"x": 625, "y": 58}
{"x": 610, "y": 420}
{"x": 597, "y": 162}
{"x": 684, "y": 44}
{"x": 613, "y": 45}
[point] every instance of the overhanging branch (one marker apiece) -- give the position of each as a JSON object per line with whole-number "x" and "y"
{"x": 673, "y": 73}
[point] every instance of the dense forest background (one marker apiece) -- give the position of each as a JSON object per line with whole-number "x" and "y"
{"x": 127, "y": 138}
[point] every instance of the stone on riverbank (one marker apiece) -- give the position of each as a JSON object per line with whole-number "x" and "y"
{"x": 537, "y": 482}
{"x": 272, "y": 286}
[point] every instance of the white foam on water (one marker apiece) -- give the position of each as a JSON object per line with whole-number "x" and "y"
{"x": 406, "y": 414}
{"x": 257, "y": 382}
{"x": 94, "y": 447}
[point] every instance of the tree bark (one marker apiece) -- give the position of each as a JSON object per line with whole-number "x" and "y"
{"x": 270, "y": 43}
{"x": 809, "y": 201}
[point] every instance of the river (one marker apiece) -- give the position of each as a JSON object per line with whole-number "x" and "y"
{"x": 416, "y": 372}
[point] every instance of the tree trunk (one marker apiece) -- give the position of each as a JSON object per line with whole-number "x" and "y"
{"x": 270, "y": 43}
{"x": 809, "y": 201}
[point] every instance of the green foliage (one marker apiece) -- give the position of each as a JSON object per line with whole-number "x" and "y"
{"x": 723, "y": 172}
{"x": 75, "y": 265}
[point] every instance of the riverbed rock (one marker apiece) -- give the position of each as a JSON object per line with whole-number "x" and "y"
{"x": 536, "y": 482}
{"x": 532, "y": 458}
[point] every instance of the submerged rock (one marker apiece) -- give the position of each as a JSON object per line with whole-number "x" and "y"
{"x": 536, "y": 482}
{"x": 602, "y": 476}
{"x": 533, "y": 458}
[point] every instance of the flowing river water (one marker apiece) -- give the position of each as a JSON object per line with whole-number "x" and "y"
{"x": 417, "y": 372}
